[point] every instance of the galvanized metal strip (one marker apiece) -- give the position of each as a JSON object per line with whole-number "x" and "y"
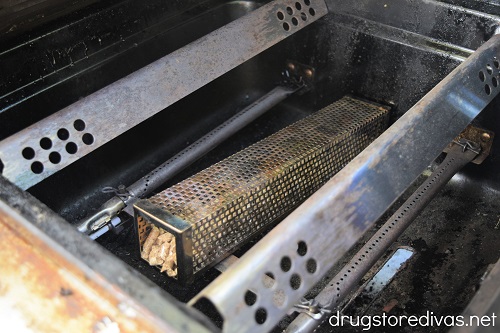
{"x": 322, "y": 229}
{"x": 48, "y": 146}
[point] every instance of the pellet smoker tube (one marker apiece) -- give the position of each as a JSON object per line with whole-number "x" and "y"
{"x": 147, "y": 184}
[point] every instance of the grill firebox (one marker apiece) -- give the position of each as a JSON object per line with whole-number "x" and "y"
{"x": 218, "y": 209}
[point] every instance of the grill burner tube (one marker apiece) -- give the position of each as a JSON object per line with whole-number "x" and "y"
{"x": 147, "y": 184}
{"x": 350, "y": 275}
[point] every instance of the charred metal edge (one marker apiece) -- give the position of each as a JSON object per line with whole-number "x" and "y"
{"x": 99, "y": 265}
{"x": 332, "y": 220}
{"x": 102, "y": 116}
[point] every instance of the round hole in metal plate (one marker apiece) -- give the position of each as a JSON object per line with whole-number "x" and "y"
{"x": 289, "y": 10}
{"x": 286, "y": 264}
{"x": 279, "y": 298}
{"x": 37, "y": 167}
{"x": 63, "y": 134}
{"x": 295, "y": 22}
{"x": 312, "y": 12}
{"x": 302, "y": 248}
{"x": 286, "y": 26}
{"x": 496, "y": 64}
{"x": 268, "y": 280}
{"x": 311, "y": 266}
{"x": 489, "y": 69}
{"x": 250, "y": 298}
{"x": 295, "y": 281}
{"x": 303, "y": 16}
{"x": 88, "y": 139}
{"x": 280, "y": 16}
{"x": 260, "y": 316}
{"x": 494, "y": 82}
{"x": 298, "y": 6}
{"x": 482, "y": 77}
{"x": 79, "y": 125}
{"x": 55, "y": 157}
{"x": 487, "y": 89}
{"x": 307, "y": 2}
{"x": 28, "y": 153}
{"x": 71, "y": 147}
{"x": 46, "y": 143}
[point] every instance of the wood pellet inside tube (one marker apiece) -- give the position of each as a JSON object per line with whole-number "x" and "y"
{"x": 158, "y": 249}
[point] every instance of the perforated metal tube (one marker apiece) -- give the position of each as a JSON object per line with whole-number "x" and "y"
{"x": 220, "y": 208}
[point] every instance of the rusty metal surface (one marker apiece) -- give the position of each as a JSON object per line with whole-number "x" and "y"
{"x": 336, "y": 216}
{"x": 44, "y": 293}
{"x": 46, "y": 296}
{"x": 55, "y": 142}
{"x": 221, "y": 207}
{"x": 53, "y": 279}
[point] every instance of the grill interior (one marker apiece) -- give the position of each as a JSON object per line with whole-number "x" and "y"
{"x": 384, "y": 55}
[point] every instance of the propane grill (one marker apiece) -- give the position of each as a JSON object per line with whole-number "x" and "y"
{"x": 248, "y": 166}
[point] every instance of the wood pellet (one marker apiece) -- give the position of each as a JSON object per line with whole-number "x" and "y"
{"x": 159, "y": 250}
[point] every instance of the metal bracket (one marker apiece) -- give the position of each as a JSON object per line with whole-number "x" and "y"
{"x": 312, "y": 308}
{"x": 301, "y": 74}
{"x": 477, "y": 139}
{"x": 468, "y": 145}
{"x": 121, "y": 192}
